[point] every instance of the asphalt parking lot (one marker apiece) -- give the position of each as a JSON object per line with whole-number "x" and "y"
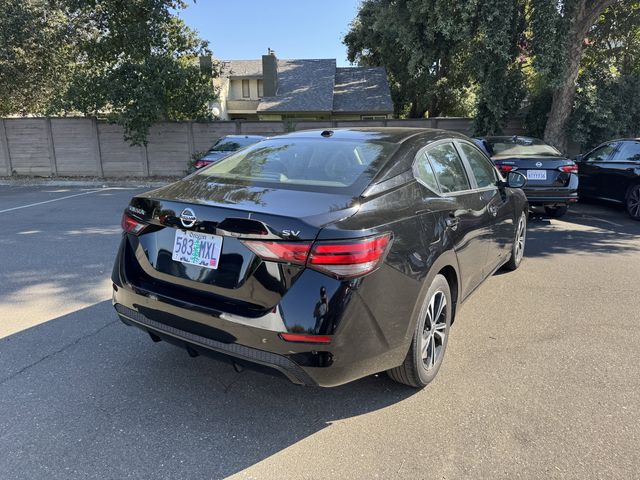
{"x": 541, "y": 377}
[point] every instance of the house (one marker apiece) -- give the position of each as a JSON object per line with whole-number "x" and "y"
{"x": 303, "y": 89}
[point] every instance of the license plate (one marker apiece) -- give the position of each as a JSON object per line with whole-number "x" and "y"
{"x": 197, "y": 248}
{"x": 536, "y": 174}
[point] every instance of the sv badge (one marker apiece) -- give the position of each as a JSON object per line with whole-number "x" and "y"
{"x": 291, "y": 233}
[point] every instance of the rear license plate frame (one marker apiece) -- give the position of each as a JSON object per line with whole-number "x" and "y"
{"x": 196, "y": 248}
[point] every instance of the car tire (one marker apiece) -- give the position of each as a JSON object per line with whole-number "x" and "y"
{"x": 556, "y": 212}
{"x": 632, "y": 202}
{"x": 519, "y": 241}
{"x": 430, "y": 338}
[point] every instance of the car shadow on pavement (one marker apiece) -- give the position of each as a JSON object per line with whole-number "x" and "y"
{"x": 580, "y": 231}
{"x": 84, "y": 396}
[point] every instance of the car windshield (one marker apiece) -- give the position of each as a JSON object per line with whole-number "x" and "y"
{"x": 311, "y": 164}
{"x": 521, "y": 147}
{"x": 232, "y": 144}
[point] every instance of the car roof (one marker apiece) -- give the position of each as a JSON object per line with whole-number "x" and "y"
{"x": 382, "y": 134}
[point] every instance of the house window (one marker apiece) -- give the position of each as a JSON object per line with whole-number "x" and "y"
{"x": 245, "y": 89}
{"x": 373, "y": 117}
{"x": 260, "y": 90}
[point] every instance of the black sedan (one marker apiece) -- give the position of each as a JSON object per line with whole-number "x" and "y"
{"x": 325, "y": 256}
{"x": 612, "y": 172}
{"x": 225, "y": 146}
{"x": 552, "y": 178}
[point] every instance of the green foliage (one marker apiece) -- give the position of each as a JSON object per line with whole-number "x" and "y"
{"x": 424, "y": 46}
{"x": 130, "y": 61}
{"x": 607, "y": 101}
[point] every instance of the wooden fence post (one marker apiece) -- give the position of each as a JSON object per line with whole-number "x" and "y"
{"x": 52, "y": 149}
{"x": 4, "y": 145}
{"x": 190, "y": 141}
{"x": 144, "y": 157}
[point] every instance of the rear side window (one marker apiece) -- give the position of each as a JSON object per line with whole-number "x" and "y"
{"x": 306, "y": 163}
{"x": 448, "y": 168}
{"x": 601, "y": 154}
{"x": 424, "y": 173}
{"x": 481, "y": 166}
{"x": 628, "y": 152}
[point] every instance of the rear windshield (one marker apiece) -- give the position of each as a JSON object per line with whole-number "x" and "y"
{"x": 305, "y": 164}
{"x": 521, "y": 147}
{"x": 232, "y": 144}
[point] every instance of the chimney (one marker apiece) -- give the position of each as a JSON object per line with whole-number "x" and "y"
{"x": 269, "y": 73}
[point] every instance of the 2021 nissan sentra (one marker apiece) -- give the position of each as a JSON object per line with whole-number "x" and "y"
{"x": 324, "y": 255}
{"x": 552, "y": 178}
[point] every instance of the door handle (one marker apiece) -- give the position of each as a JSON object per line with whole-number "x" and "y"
{"x": 493, "y": 210}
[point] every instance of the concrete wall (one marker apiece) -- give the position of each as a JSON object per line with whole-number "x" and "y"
{"x": 77, "y": 147}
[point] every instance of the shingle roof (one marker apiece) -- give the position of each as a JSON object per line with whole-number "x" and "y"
{"x": 316, "y": 85}
{"x": 303, "y": 86}
{"x": 362, "y": 89}
{"x": 242, "y": 68}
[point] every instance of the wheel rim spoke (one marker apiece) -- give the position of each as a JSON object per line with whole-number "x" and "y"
{"x": 434, "y": 331}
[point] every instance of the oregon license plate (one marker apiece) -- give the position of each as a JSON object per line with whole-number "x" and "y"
{"x": 536, "y": 174}
{"x": 197, "y": 248}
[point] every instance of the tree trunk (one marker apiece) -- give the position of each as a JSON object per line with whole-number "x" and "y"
{"x": 584, "y": 17}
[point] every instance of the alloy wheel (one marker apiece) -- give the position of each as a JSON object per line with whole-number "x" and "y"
{"x": 633, "y": 202}
{"x": 521, "y": 237}
{"x": 435, "y": 330}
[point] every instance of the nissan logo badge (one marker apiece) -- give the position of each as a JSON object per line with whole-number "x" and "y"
{"x": 538, "y": 164}
{"x": 188, "y": 218}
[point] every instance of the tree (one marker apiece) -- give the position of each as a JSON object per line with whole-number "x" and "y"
{"x": 424, "y": 46}
{"x": 133, "y": 62}
{"x": 560, "y": 29}
{"x": 35, "y": 49}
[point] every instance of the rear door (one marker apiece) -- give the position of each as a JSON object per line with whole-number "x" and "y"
{"x": 467, "y": 226}
{"x": 620, "y": 170}
{"x": 592, "y": 167}
{"x": 500, "y": 213}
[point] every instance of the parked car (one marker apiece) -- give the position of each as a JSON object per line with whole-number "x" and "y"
{"x": 552, "y": 177}
{"x": 225, "y": 147}
{"x": 611, "y": 171}
{"x": 324, "y": 255}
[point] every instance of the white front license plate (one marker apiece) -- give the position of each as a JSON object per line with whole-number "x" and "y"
{"x": 197, "y": 248}
{"x": 536, "y": 174}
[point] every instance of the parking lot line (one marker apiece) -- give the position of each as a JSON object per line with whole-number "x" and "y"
{"x": 53, "y": 200}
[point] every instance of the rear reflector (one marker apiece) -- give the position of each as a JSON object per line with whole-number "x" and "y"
{"x": 201, "y": 163}
{"x": 131, "y": 225}
{"x": 300, "y": 338}
{"x": 569, "y": 168}
{"x": 340, "y": 258}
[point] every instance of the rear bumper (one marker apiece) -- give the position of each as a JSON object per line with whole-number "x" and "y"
{"x": 553, "y": 195}
{"x": 241, "y": 353}
{"x": 360, "y": 345}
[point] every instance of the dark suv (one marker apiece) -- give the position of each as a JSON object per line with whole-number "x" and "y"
{"x": 324, "y": 255}
{"x": 612, "y": 172}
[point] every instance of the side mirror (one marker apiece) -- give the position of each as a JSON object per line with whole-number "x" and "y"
{"x": 516, "y": 180}
{"x": 578, "y": 158}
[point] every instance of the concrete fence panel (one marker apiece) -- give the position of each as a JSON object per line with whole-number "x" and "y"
{"x": 119, "y": 159}
{"x": 75, "y": 147}
{"x": 29, "y": 146}
{"x": 168, "y": 149}
{"x": 86, "y": 147}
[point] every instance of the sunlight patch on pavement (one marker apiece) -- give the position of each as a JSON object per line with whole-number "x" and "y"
{"x": 40, "y": 302}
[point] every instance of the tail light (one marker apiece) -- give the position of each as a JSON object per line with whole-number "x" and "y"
{"x": 506, "y": 168}
{"x": 132, "y": 225}
{"x": 569, "y": 168}
{"x": 341, "y": 259}
{"x": 200, "y": 164}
